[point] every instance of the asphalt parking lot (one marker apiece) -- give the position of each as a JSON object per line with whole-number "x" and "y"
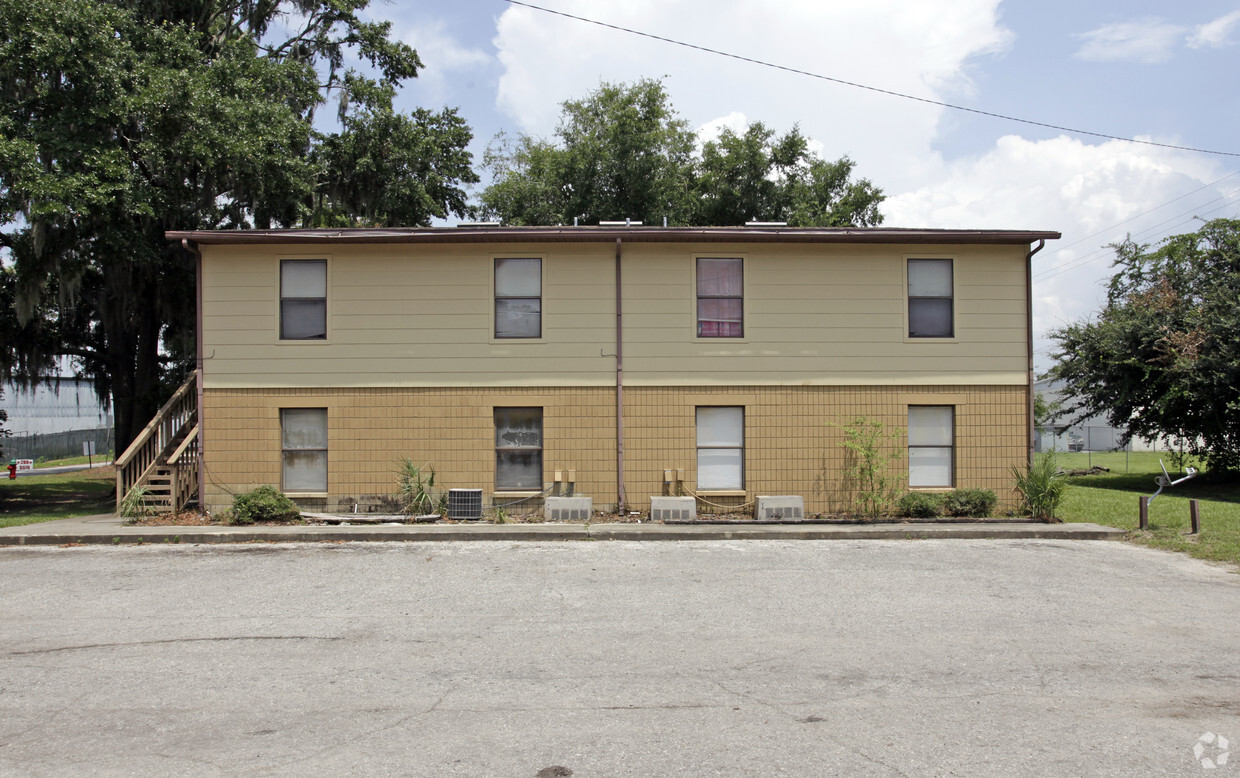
{"x": 903, "y": 657}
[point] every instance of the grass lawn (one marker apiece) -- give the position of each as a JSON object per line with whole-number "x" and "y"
{"x": 1111, "y": 499}
{"x": 96, "y": 459}
{"x": 31, "y": 499}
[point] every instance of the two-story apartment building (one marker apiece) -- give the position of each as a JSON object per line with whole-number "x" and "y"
{"x": 632, "y": 361}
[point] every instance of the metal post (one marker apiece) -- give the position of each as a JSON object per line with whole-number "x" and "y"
{"x": 1194, "y": 517}
{"x": 1144, "y": 510}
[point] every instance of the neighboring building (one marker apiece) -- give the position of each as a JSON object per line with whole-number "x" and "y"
{"x": 1094, "y": 433}
{"x": 53, "y": 416}
{"x": 491, "y": 354}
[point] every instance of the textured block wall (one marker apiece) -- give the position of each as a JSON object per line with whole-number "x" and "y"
{"x": 792, "y": 438}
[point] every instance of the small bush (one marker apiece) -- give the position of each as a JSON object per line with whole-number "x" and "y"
{"x": 265, "y": 503}
{"x": 978, "y": 503}
{"x": 134, "y": 506}
{"x": 1041, "y": 487}
{"x": 919, "y": 505}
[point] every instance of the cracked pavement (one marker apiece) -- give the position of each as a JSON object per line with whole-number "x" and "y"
{"x": 616, "y": 658}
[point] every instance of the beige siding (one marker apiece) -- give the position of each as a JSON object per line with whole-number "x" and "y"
{"x": 792, "y": 437}
{"x": 421, "y": 316}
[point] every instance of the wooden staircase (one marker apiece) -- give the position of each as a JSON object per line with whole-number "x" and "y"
{"x": 163, "y": 459}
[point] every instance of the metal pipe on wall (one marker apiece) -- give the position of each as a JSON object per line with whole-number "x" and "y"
{"x": 1032, "y": 428}
{"x": 621, "y": 502}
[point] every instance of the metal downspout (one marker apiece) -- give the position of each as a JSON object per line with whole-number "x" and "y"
{"x": 1031, "y": 429}
{"x": 202, "y": 465}
{"x": 620, "y": 497}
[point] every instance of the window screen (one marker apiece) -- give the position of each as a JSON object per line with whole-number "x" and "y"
{"x": 931, "y": 445}
{"x": 930, "y": 298}
{"x": 720, "y": 297}
{"x": 304, "y": 445}
{"x": 721, "y": 448}
{"x": 303, "y": 299}
{"x": 518, "y": 449}
{"x": 518, "y": 298}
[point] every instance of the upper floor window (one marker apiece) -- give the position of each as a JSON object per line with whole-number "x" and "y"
{"x": 303, "y": 299}
{"x": 720, "y": 297}
{"x": 518, "y": 298}
{"x": 930, "y": 298}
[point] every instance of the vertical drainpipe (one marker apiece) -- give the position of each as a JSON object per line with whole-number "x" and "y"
{"x": 202, "y": 466}
{"x": 620, "y": 497}
{"x": 1030, "y": 429}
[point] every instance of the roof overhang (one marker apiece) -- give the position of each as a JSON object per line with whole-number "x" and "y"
{"x": 609, "y": 234}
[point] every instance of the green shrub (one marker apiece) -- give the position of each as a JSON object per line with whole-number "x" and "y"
{"x": 919, "y": 505}
{"x": 265, "y": 503}
{"x": 134, "y": 506}
{"x": 1041, "y": 487}
{"x": 869, "y": 450}
{"x": 978, "y": 503}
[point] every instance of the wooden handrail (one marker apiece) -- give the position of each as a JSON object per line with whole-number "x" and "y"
{"x": 190, "y": 438}
{"x": 150, "y": 428}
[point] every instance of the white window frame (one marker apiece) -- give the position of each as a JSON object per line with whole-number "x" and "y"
{"x": 949, "y": 447}
{"x": 698, "y": 297}
{"x": 496, "y": 297}
{"x": 283, "y": 298}
{"x": 285, "y": 450}
{"x": 909, "y": 298}
{"x": 500, "y": 449}
{"x": 737, "y": 446}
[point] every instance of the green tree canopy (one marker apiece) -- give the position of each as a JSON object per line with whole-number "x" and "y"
{"x": 623, "y": 152}
{"x": 120, "y": 119}
{"x": 1162, "y": 358}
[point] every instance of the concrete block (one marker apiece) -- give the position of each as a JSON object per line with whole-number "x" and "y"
{"x": 680, "y": 508}
{"x": 780, "y": 507}
{"x": 568, "y": 508}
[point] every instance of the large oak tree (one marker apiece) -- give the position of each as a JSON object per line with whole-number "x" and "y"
{"x": 120, "y": 119}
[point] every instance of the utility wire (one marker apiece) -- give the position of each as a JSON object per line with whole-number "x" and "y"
{"x": 856, "y": 85}
{"x": 1178, "y": 219}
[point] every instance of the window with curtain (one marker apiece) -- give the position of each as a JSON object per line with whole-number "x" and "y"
{"x": 518, "y": 298}
{"x": 303, "y": 433}
{"x": 720, "y": 297}
{"x": 930, "y": 298}
{"x": 720, "y": 448}
{"x": 518, "y": 449}
{"x": 931, "y": 445}
{"x": 303, "y": 299}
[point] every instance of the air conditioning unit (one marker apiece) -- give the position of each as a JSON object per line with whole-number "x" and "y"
{"x": 788, "y": 507}
{"x": 673, "y": 508}
{"x": 465, "y": 504}
{"x": 568, "y": 508}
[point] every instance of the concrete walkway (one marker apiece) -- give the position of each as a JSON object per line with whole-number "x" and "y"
{"x": 109, "y": 529}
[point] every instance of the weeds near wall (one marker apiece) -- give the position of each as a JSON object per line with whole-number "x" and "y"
{"x": 871, "y": 448}
{"x": 134, "y": 505}
{"x": 1041, "y": 487}
{"x": 416, "y": 487}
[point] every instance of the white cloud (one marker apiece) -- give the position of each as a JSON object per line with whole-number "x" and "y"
{"x": 1214, "y": 34}
{"x": 925, "y": 49}
{"x": 444, "y": 58}
{"x": 1093, "y": 194}
{"x": 1146, "y": 40}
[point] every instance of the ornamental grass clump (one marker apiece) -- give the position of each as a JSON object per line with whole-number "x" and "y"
{"x": 1041, "y": 487}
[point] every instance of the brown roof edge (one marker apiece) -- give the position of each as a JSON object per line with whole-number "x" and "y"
{"x": 610, "y": 234}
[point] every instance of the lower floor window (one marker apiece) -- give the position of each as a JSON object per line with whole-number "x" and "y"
{"x": 518, "y": 449}
{"x": 931, "y": 445}
{"x": 303, "y": 433}
{"x": 720, "y": 448}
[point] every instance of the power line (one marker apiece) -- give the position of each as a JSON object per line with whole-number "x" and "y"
{"x": 1178, "y": 219}
{"x": 856, "y": 85}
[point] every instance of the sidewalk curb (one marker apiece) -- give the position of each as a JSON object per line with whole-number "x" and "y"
{"x": 100, "y": 531}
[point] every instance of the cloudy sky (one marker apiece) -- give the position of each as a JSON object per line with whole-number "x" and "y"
{"x": 1155, "y": 71}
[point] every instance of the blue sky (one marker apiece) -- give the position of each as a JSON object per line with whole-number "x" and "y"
{"x": 1154, "y": 70}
